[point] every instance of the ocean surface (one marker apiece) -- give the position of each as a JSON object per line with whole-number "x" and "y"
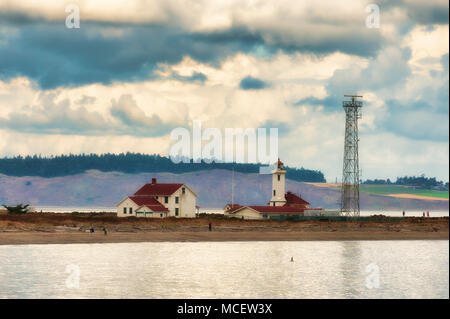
{"x": 333, "y": 269}
{"x": 61, "y": 209}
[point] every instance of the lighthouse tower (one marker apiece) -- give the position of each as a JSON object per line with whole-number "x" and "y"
{"x": 278, "y": 185}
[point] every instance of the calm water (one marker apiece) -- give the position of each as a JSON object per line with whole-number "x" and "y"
{"x": 346, "y": 269}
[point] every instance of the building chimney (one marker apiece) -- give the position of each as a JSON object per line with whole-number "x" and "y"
{"x": 153, "y": 180}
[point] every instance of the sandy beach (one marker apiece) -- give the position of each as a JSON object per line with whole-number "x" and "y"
{"x": 48, "y": 228}
{"x": 20, "y": 238}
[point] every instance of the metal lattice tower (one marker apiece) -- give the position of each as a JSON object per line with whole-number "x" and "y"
{"x": 350, "y": 176}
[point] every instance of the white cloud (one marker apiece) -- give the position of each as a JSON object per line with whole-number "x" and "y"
{"x": 16, "y": 143}
{"x": 314, "y": 137}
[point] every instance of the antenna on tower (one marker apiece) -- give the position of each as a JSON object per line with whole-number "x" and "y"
{"x": 232, "y": 185}
{"x": 350, "y": 175}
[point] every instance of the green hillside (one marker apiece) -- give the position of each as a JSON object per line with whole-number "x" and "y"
{"x": 397, "y": 189}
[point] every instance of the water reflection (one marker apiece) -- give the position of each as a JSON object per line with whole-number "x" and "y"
{"x": 350, "y": 267}
{"x": 408, "y": 269}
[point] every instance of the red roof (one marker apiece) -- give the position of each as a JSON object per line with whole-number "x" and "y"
{"x": 277, "y": 209}
{"x": 155, "y": 208}
{"x": 158, "y": 189}
{"x": 150, "y": 202}
{"x": 291, "y": 198}
{"x": 232, "y": 207}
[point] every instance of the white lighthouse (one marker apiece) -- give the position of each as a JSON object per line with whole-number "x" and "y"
{"x": 278, "y": 185}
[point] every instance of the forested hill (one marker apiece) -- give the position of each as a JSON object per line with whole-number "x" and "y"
{"x": 128, "y": 163}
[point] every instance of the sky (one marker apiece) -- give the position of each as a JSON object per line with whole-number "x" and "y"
{"x": 134, "y": 70}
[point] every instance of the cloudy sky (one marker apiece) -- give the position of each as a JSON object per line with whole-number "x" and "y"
{"x": 136, "y": 69}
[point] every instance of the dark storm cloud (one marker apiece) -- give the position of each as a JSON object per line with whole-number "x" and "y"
{"x": 359, "y": 41}
{"x": 44, "y": 50}
{"x": 55, "y": 56}
{"x": 421, "y": 12}
{"x": 251, "y": 83}
{"x": 16, "y": 18}
{"x": 195, "y": 77}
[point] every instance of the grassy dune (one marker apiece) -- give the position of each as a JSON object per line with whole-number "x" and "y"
{"x": 396, "y": 189}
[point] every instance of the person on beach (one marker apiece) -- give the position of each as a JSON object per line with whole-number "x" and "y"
{"x": 428, "y": 214}
{"x": 403, "y": 213}
{"x": 423, "y": 214}
{"x": 105, "y": 231}
{"x": 92, "y": 229}
{"x": 210, "y": 227}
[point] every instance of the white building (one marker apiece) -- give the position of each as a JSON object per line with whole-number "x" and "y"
{"x": 282, "y": 205}
{"x": 159, "y": 200}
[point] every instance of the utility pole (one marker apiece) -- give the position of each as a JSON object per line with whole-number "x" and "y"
{"x": 350, "y": 176}
{"x": 232, "y": 187}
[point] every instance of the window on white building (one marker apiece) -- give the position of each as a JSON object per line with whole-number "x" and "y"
{"x": 166, "y": 199}
{"x": 176, "y": 200}
{"x": 131, "y": 210}
{"x": 176, "y": 211}
{"x": 124, "y": 210}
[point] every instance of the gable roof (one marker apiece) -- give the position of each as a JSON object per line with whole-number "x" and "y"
{"x": 151, "y": 189}
{"x": 231, "y": 207}
{"x": 277, "y": 209}
{"x": 154, "y": 208}
{"x": 291, "y": 199}
{"x": 150, "y": 202}
{"x": 272, "y": 209}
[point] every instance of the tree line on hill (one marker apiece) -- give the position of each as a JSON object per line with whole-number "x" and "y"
{"x": 64, "y": 165}
{"x": 415, "y": 181}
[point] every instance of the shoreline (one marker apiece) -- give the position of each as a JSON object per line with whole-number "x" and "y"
{"x": 75, "y": 228}
{"x": 36, "y": 238}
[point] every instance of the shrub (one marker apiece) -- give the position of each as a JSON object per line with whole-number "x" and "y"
{"x": 18, "y": 209}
